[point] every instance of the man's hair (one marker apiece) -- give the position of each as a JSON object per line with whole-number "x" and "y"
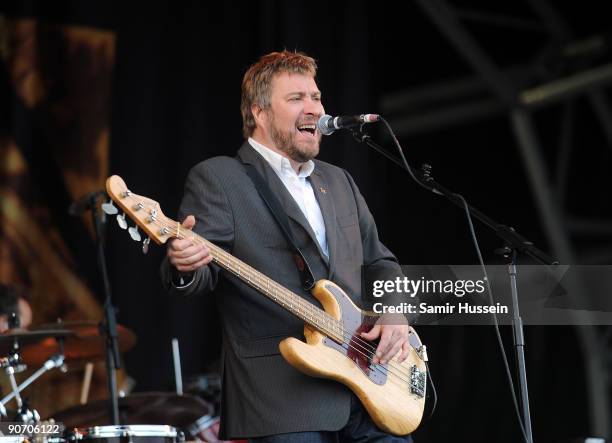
{"x": 257, "y": 81}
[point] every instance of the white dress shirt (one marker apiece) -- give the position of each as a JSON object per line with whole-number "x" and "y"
{"x": 299, "y": 187}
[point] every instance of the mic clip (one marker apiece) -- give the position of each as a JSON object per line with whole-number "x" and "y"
{"x": 359, "y": 134}
{"x": 85, "y": 203}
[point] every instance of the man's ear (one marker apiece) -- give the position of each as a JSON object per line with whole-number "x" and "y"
{"x": 259, "y": 114}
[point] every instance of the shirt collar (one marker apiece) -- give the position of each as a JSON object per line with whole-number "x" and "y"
{"x": 280, "y": 163}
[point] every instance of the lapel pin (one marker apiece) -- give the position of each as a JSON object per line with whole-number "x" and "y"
{"x": 323, "y": 190}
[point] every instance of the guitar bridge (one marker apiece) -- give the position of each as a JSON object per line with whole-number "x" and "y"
{"x": 417, "y": 381}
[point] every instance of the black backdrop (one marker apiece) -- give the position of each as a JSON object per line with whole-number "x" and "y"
{"x": 175, "y": 102}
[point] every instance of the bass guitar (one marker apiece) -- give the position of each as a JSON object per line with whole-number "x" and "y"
{"x": 392, "y": 393}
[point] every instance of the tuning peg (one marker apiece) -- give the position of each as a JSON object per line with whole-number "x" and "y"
{"x": 109, "y": 208}
{"x": 134, "y": 233}
{"x": 121, "y": 221}
{"x": 153, "y": 216}
{"x": 145, "y": 245}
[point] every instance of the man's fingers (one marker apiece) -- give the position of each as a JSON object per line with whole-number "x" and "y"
{"x": 372, "y": 334}
{"x": 393, "y": 338}
{"x": 189, "y": 259}
{"x": 182, "y": 245}
{"x": 405, "y": 351}
{"x": 192, "y": 267}
{"x": 179, "y": 245}
{"x": 383, "y": 345}
{"x": 395, "y": 347}
{"x": 188, "y": 251}
{"x": 190, "y": 256}
{"x": 189, "y": 222}
{"x": 184, "y": 254}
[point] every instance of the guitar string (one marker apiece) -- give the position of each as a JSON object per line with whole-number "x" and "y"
{"x": 256, "y": 283}
{"x": 368, "y": 354}
{"x": 315, "y": 311}
{"x": 347, "y": 338}
{"x": 365, "y": 345}
{"x": 305, "y": 305}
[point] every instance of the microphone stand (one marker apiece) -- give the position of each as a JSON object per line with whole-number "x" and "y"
{"x": 109, "y": 326}
{"x": 513, "y": 244}
{"x": 508, "y": 234}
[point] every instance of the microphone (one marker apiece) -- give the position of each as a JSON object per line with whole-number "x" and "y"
{"x": 328, "y": 124}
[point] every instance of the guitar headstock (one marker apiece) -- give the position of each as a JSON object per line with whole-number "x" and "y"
{"x": 145, "y": 212}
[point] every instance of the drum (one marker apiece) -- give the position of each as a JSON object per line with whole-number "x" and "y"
{"x": 127, "y": 434}
{"x": 206, "y": 429}
{"x": 156, "y": 408}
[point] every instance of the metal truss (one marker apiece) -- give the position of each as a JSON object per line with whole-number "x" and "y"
{"x": 566, "y": 69}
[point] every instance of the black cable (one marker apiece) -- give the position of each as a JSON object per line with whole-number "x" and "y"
{"x": 486, "y": 278}
{"x": 434, "y": 392}
{"x": 494, "y": 315}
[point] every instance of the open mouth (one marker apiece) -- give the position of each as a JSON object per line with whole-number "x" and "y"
{"x": 307, "y": 129}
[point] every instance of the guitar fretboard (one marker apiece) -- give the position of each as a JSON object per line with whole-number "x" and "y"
{"x": 289, "y": 300}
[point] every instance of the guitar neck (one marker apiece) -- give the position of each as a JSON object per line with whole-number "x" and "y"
{"x": 292, "y": 302}
{"x": 148, "y": 216}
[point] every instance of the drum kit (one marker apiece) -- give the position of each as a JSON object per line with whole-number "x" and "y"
{"x": 150, "y": 417}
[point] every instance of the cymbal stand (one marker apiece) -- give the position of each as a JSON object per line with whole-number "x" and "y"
{"x": 12, "y": 364}
{"x": 55, "y": 361}
{"x": 10, "y": 370}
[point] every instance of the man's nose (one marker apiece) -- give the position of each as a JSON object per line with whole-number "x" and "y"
{"x": 314, "y": 107}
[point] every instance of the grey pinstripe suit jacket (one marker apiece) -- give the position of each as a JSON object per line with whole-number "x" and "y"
{"x": 262, "y": 394}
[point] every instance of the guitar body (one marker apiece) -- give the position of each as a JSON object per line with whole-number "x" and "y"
{"x": 393, "y": 394}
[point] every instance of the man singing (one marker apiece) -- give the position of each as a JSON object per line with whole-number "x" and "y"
{"x": 264, "y": 398}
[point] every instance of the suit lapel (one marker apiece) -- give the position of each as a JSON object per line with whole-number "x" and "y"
{"x": 250, "y": 156}
{"x": 326, "y": 203}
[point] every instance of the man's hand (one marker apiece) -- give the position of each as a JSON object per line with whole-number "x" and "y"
{"x": 393, "y": 333}
{"x": 185, "y": 255}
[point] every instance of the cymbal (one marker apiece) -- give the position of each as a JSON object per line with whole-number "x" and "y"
{"x": 155, "y": 408}
{"x": 84, "y": 344}
{"x": 25, "y": 337}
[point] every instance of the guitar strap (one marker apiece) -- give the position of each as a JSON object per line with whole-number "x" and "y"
{"x": 279, "y": 214}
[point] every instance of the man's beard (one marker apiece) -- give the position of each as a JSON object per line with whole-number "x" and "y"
{"x": 285, "y": 142}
